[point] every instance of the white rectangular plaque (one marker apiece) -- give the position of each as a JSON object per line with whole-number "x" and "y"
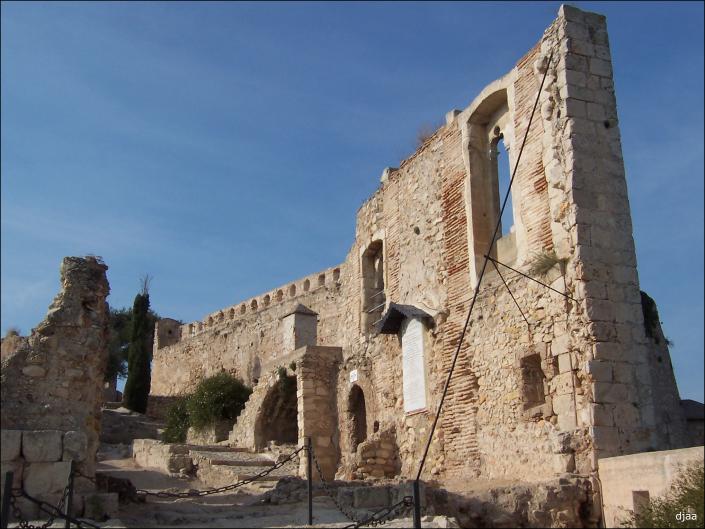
{"x": 353, "y": 376}
{"x": 413, "y": 365}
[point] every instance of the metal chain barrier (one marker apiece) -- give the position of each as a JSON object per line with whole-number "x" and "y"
{"x": 207, "y": 492}
{"x": 379, "y": 517}
{"x": 47, "y": 508}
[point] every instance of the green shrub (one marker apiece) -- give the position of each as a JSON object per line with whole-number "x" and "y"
{"x": 177, "y": 422}
{"x": 216, "y": 398}
{"x": 683, "y": 500}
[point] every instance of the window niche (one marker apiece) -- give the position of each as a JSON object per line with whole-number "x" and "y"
{"x": 373, "y": 295}
{"x": 533, "y": 391}
{"x": 490, "y": 137}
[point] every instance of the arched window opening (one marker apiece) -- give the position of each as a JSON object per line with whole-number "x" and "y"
{"x": 357, "y": 415}
{"x": 279, "y": 295}
{"x": 253, "y": 304}
{"x": 292, "y": 291}
{"x": 373, "y": 295}
{"x": 277, "y": 420}
{"x": 210, "y": 321}
{"x": 501, "y": 168}
{"x": 231, "y": 314}
{"x": 336, "y": 274}
{"x": 243, "y": 308}
{"x": 307, "y": 285}
{"x": 221, "y": 316}
{"x": 267, "y": 299}
{"x": 321, "y": 280}
{"x": 490, "y": 140}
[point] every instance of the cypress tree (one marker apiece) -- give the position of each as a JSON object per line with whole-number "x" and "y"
{"x": 139, "y": 371}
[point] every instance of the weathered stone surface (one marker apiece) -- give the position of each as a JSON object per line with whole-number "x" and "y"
{"x": 420, "y": 242}
{"x": 46, "y": 478}
{"x": 75, "y": 446}
{"x": 11, "y": 441}
{"x": 42, "y": 445}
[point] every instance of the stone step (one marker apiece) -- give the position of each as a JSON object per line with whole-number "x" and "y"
{"x": 242, "y": 463}
{"x": 245, "y": 473}
{"x": 215, "y": 448}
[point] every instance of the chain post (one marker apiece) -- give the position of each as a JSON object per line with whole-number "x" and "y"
{"x": 309, "y": 478}
{"x": 69, "y": 499}
{"x": 6, "y": 494}
{"x": 417, "y": 505}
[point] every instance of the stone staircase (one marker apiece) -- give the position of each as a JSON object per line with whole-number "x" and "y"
{"x": 218, "y": 466}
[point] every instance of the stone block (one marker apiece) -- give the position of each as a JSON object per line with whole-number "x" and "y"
{"x": 101, "y": 506}
{"x": 560, "y": 345}
{"x": 41, "y": 445}
{"x": 600, "y": 67}
{"x": 626, "y": 413}
{"x": 564, "y": 363}
{"x": 624, "y": 373}
{"x": 595, "y": 112}
{"x": 571, "y": 13}
{"x": 75, "y": 446}
{"x": 563, "y": 404}
{"x": 562, "y": 384}
{"x": 11, "y": 444}
{"x": 46, "y": 478}
{"x": 601, "y": 415}
{"x": 605, "y": 437}
{"x": 600, "y": 370}
{"x": 567, "y": 422}
{"x": 575, "y": 108}
{"x": 608, "y": 351}
{"x": 607, "y": 392}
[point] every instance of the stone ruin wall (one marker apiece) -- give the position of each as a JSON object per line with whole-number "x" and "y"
{"x": 242, "y": 339}
{"x": 52, "y": 386}
{"x": 594, "y": 362}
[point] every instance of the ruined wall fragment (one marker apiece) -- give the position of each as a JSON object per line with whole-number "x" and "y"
{"x": 54, "y": 381}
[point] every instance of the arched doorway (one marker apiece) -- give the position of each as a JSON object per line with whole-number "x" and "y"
{"x": 357, "y": 415}
{"x": 277, "y": 417}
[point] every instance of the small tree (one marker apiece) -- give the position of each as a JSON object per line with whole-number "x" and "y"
{"x": 217, "y": 398}
{"x": 139, "y": 354}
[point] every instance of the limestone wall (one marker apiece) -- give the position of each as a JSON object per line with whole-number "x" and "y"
{"x": 56, "y": 381}
{"x": 627, "y": 480}
{"x": 539, "y": 389}
{"x": 242, "y": 338}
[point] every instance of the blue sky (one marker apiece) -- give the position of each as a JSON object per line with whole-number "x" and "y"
{"x": 224, "y": 148}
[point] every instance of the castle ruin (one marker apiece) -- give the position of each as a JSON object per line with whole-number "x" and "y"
{"x": 548, "y": 381}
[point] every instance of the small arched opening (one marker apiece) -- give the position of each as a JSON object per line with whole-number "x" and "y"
{"x": 277, "y": 418}
{"x": 357, "y": 415}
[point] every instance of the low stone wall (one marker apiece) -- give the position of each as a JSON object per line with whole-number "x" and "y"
{"x": 41, "y": 463}
{"x": 211, "y": 434}
{"x": 562, "y": 502}
{"x": 629, "y": 480}
{"x": 378, "y": 457}
{"x": 158, "y": 405}
{"x": 169, "y": 458}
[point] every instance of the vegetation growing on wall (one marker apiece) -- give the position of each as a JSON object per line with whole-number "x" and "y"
{"x": 216, "y": 398}
{"x": 177, "y": 422}
{"x": 682, "y": 506}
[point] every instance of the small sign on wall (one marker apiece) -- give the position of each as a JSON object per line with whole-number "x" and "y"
{"x": 353, "y": 376}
